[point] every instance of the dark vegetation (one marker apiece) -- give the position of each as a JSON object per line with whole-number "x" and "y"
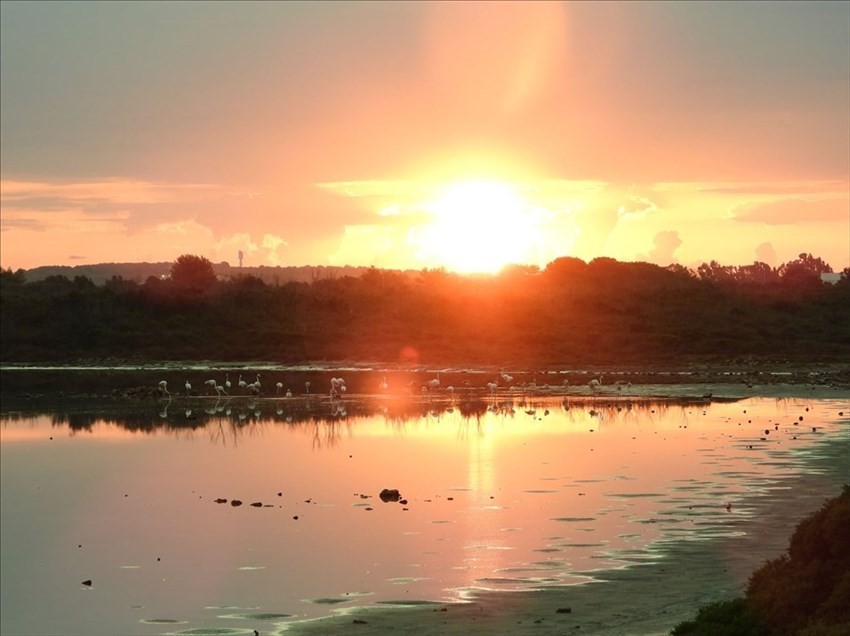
{"x": 571, "y": 312}
{"x": 805, "y": 592}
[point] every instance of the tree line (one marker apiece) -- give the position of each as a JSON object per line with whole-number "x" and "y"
{"x": 571, "y": 312}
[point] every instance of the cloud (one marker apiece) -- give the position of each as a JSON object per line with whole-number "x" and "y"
{"x": 665, "y": 245}
{"x": 92, "y": 205}
{"x": 766, "y": 254}
{"x": 770, "y": 188}
{"x": 228, "y": 247}
{"x": 272, "y": 243}
{"x": 793, "y": 211}
{"x": 7, "y": 223}
{"x": 638, "y": 207}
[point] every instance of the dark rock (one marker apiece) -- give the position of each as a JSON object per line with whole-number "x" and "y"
{"x": 87, "y": 582}
{"x": 564, "y": 610}
{"x": 357, "y": 621}
{"x": 389, "y": 495}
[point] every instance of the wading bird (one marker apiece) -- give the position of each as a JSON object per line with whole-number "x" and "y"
{"x": 278, "y": 387}
{"x": 188, "y": 387}
{"x": 227, "y": 382}
{"x": 163, "y": 387}
{"x": 242, "y": 384}
{"x": 307, "y": 386}
{"x": 211, "y": 384}
{"x": 434, "y": 384}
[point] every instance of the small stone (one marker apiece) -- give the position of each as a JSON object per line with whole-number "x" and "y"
{"x": 387, "y": 495}
{"x": 564, "y": 610}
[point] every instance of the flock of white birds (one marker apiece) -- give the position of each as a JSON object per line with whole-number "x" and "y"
{"x": 338, "y": 387}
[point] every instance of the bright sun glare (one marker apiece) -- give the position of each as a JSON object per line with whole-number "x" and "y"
{"x": 478, "y": 226}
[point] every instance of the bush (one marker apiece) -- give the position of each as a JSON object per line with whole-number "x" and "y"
{"x": 805, "y": 592}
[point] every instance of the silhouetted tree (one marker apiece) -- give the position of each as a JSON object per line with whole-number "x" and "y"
{"x": 805, "y": 270}
{"x": 193, "y": 273}
{"x": 8, "y": 277}
{"x": 758, "y": 273}
{"x": 714, "y": 272}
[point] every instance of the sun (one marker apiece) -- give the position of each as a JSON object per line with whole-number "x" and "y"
{"x": 478, "y": 227}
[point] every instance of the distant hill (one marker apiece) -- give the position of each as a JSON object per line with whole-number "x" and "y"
{"x": 140, "y": 272}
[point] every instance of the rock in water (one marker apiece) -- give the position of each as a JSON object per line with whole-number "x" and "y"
{"x": 389, "y": 495}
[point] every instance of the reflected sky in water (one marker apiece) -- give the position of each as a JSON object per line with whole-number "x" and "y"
{"x": 497, "y": 495}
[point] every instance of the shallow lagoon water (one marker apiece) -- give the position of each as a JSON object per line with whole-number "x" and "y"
{"x": 506, "y": 493}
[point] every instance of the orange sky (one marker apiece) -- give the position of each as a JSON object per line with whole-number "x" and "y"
{"x": 415, "y": 135}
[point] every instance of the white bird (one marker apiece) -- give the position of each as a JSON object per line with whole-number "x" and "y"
{"x": 188, "y": 387}
{"x": 307, "y": 386}
{"x": 242, "y": 384}
{"x": 227, "y": 382}
{"x": 278, "y": 387}
{"x": 220, "y": 390}
{"x": 288, "y": 393}
{"x": 434, "y": 383}
{"x": 507, "y": 378}
{"x": 383, "y": 386}
{"x": 595, "y": 383}
{"x": 163, "y": 387}
{"x": 211, "y": 384}
{"x": 492, "y": 386}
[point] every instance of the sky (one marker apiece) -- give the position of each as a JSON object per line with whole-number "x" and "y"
{"x": 418, "y": 135}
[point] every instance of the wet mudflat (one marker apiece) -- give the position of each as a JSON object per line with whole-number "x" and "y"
{"x": 202, "y": 515}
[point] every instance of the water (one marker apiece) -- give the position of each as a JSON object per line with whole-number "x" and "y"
{"x": 500, "y": 493}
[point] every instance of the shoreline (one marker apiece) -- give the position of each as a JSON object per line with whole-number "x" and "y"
{"x": 687, "y": 575}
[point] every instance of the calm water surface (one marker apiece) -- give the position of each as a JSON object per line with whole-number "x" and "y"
{"x": 500, "y": 495}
